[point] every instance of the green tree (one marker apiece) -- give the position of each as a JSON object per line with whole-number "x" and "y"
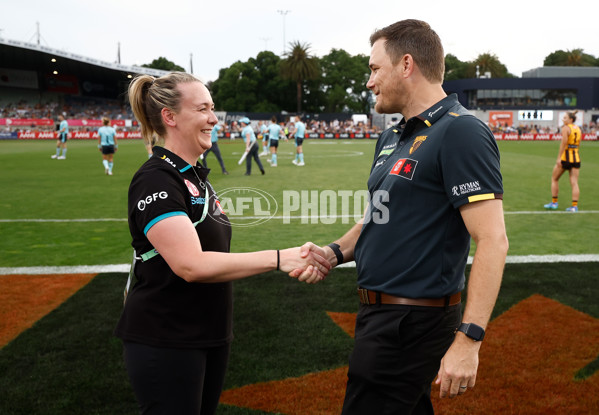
{"x": 275, "y": 92}
{"x": 299, "y": 66}
{"x": 575, "y": 57}
{"x": 163, "y": 64}
{"x": 253, "y": 86}
{"x": 235, "y": 89}
{"x": 488, "y": 62}
{"x": 455, "y": 68}
{"x": 343, "y": 82}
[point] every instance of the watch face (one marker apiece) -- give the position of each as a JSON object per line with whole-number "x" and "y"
{"x": 473, "y": 331}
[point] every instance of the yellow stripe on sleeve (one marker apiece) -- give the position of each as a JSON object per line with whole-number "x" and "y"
{"x": 478, "y": 198}
{"x": 427, "y": 123}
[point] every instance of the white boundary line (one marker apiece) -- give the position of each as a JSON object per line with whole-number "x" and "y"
{"x": 97, "y": 269}
{"x": 284, "y": 217}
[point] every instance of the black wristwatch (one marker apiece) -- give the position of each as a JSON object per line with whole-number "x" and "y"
{"x": 476, "y": 333}
{"x": 337, "y": 251}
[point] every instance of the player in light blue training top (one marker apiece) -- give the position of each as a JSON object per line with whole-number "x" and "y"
{"x": 264, "y": 133}
{"x": 61, "y": 141}
{"x": 274, "y": 130}
{"x": 298, "y": 133}
{"x": 251, "y": 146}
{"x": 107, "y": 145}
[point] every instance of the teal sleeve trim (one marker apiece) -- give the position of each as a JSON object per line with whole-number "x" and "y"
{"x": 161, "y": 217}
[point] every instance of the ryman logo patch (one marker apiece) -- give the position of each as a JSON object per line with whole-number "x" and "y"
{"x": 404, "y": 168}
{"x": 465, "y": 188}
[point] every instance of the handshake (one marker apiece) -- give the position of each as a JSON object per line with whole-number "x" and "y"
{"x": 309, "y": 263}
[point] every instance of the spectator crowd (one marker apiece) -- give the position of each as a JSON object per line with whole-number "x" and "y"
{"x": 86, "y": 109}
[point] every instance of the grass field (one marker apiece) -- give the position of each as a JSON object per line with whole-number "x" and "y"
{"x": 36, "y": 187}
{"x": 69, "y": 362}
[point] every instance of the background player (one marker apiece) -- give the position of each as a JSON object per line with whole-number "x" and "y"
{"x": 274, "y": 130}
{"x": 63, "y": 136}
{"x": 568, "y": 158}
{"x": 107, "y": 144}
{"x": 298, "y": 133}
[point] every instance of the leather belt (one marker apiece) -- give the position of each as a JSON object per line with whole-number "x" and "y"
{"x": 370, "y": 297}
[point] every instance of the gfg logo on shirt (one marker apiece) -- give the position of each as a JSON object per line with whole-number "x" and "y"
{"x": 141, "y": 205}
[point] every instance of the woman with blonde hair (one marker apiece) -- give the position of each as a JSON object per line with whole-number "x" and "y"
{"x": 176, "y": 325}
{"x": 568, "y": 159}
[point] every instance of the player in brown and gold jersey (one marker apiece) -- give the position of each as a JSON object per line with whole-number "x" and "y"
{"x": 568, "y": 159}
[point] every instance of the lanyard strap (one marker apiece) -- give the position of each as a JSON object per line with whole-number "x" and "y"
{"x": 131, "y": 272}
{"x": 152, "y": 253}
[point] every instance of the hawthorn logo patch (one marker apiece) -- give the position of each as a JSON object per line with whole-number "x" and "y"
{"x": 404, "y": 168}
{"x": 417, "y": 141}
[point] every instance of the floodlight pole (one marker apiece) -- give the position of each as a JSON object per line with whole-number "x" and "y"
{"x": 283, "y": 13}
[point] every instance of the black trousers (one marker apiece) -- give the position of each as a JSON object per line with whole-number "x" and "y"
{"x": 176, "y": 381}
{"x": 253, "y": 154}
{"x": 397, "y": 354}
{"x": 217, "y": 154}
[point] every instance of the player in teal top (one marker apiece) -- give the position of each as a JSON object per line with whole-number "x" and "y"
{"x": 215, "y": 149}
{"x": 298, "y": 133}
{"x": 274, "y": 130}
{"x": 264, "y": 133}
{"x": 61, "y": 142}
{"x": 251, "y": 146}
{"x": 107, "y": 145}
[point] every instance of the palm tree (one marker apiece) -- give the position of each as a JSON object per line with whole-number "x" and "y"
{"x": 488, "y": 62}
{"x": 299, "y": 66}
{"x": 575, "y": 57}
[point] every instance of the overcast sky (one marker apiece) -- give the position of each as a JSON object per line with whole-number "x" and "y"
{"x": 218, "y": 33}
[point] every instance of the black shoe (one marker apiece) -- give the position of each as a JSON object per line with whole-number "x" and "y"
{"x": 262, "y": 171}
{"x": 246, "y": 174}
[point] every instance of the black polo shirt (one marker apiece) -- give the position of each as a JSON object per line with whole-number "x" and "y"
{"x": 162, "y": 309}
{"x": 415, "y": 243}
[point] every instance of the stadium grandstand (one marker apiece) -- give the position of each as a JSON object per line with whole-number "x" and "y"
{"x": 37, "y": 83}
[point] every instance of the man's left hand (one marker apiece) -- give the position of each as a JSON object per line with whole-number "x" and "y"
{"x": 458, "y": 367}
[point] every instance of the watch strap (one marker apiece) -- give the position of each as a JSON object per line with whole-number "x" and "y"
{"x": 337, "y": 251}
{"x": 475, "y": 332}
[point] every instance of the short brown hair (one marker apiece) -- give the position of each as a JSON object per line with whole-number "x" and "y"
{"x": 148, "y": 95}
{"x": 418, "y": 39}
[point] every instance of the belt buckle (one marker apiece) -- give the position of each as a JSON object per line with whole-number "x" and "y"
{"x": 363, "y": 293}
